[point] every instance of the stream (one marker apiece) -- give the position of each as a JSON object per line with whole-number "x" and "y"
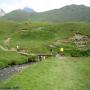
{"x": 9, "y": 71}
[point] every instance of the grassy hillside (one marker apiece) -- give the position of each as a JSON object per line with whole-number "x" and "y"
{"x": 39, "y": 37}
{"x": 66, "y": 14}
{"x": 48, "y": 33}
{"x": 28, "y": 34}
{"x": 7, "y": 28}
{"x": 53, "y": 74}
{"x": 69, "y": 13}
{"x": 17, "y": 15}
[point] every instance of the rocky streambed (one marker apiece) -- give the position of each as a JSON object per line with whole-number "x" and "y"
{"x": 7, "y": 72}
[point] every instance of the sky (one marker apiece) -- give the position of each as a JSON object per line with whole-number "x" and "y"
{"x": 39, "y": 5}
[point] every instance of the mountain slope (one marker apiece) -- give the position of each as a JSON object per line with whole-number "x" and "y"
{"x": 19, "y": 14}
{"x": 69, "y": 13}
{"x": 65, "y": 14}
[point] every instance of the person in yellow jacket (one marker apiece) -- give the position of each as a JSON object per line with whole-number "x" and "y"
{"x": 62, "y": 51}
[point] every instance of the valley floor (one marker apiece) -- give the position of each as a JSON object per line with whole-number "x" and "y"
{"x": 52, "y": 74}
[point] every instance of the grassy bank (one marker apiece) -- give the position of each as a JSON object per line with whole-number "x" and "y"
{"x": 53, "y": 74}
{"x": 11, "y": 58}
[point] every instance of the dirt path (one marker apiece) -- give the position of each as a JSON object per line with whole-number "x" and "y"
{"x": 4, "y": 49}
{"x": 61, "y": 57}
{"x": 7, "y": 72}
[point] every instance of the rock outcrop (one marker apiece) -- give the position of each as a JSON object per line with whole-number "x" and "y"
{"x": 2, "y": 13}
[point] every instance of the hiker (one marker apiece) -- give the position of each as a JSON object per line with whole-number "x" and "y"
{"x": 61, "y": 51}
{"x": 17, "y": 47}
{"x": 40, "y": 57}
{"x": 51, "y": 51}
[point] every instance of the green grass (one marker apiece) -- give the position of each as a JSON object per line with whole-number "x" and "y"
{"x": 7, "y": 28}
{"x": 10, "y": 58}
{"x": 53, "y": 74}
{"x": 37, "y": 37}
{"x": 44, "y": 34}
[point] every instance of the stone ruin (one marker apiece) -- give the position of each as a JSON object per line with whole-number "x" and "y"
{"x": 81, "y": 40}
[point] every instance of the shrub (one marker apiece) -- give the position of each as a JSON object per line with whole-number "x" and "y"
{"x": 88, "y": 52}
{"x": 78, "y": 53}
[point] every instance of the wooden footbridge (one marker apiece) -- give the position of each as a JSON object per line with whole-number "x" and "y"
{"x": 39, "y": 56}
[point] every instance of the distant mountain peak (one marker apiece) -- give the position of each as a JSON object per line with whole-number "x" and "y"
{"x": 28, "y": 9}
{"x": 75, "y": 6}
{"x": 2, "y": 13}
{"x": 70, "y": 13}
